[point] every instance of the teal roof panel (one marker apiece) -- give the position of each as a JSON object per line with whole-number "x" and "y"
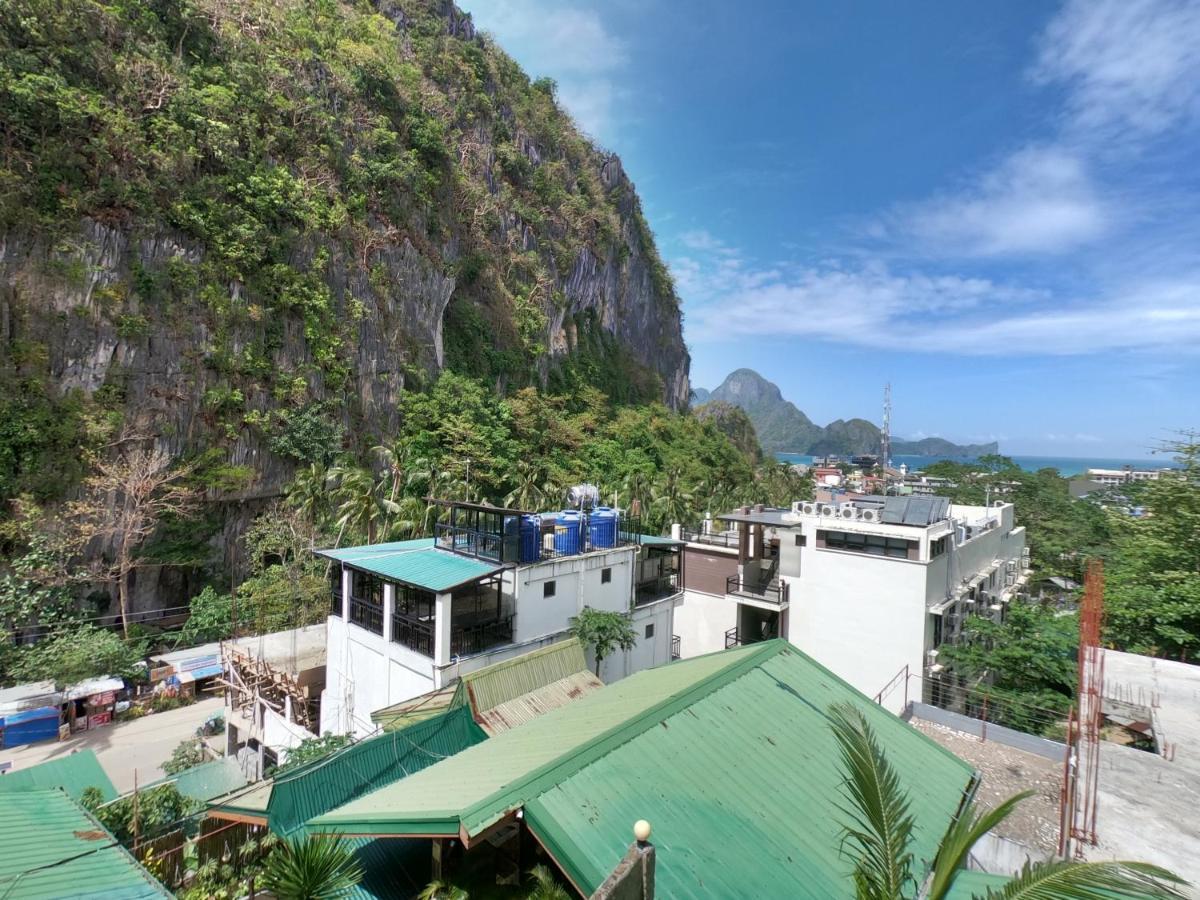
{"x": 207, "y": 780}
{"x": 73, "y": 773}
{"x": 53, "y": 848}
{"x": 418, "y": 563}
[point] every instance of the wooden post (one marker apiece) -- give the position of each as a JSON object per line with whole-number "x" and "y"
{"x": 437, "y": 870}
{"x": 136, "y": 825}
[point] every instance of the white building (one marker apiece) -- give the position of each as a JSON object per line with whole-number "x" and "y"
{"x": 1110, "y": 477}
{"x": 410, "y": 617}
{"x": 867, "y": 587}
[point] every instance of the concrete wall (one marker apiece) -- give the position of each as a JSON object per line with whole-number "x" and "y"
{"x": 280, "y": 734}
{"x": 701, "y": 621}
{"x": 577, "y": 583}
{"x": 365, "y": 673}
{"x": 649, "y": 651}
{"x": 992, "y": 732}
{"x": 859, "y": 615}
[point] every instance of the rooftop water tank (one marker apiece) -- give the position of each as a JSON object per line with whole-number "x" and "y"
{"x": 531, "y": 539}
{"x": 602, "y": 527}
{"x": 567, "y": 525}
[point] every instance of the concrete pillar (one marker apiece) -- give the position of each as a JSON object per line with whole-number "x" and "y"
{"x": 389, "y": 606}
{"x": 347, "y": 584}
{"x": 441, "y": 630}
{"x": 676, "y": 532}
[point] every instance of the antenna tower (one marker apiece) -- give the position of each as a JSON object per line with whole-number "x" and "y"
{"x": 886, "y": 438}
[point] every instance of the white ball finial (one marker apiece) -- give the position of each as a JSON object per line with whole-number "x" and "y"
{"x": 641, "y": 830}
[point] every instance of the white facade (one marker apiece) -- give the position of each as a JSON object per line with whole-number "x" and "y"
{"x": 864, "y": 613}
{"x": 366, "y": 671}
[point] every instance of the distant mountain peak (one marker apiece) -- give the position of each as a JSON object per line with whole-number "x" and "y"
{"x": 782, "y": 427}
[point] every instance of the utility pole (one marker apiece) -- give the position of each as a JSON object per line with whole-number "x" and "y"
{"x": 886, "y": 437}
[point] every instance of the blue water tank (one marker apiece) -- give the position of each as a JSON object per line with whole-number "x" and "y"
{"x": 567, "y": 525}
{"x": 602, "y": 527}
{"x": 531, "y": 538}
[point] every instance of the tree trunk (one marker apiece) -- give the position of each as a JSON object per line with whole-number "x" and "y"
{"x": 123, "y": 570}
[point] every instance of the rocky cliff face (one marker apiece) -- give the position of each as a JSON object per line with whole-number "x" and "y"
{"x": 217, "y": 218}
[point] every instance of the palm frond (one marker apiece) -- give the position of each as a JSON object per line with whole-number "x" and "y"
{"x": 312, "y": 869}
{"x": 1090, "y": 881}
{"x": 878, "y": 822}
{"x": 960, "y": 837}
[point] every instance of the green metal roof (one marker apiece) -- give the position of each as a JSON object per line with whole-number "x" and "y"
{"x": 42, "y": 836}
{"x": 970, "y": 885}
{"x": 493, "y": 685}
{"x": 207, "y": 780}
{"x": 417, "y": 562}
{"x": 729, "y": 756}
{"x": 474, "y": 787}
{"x": 656, "y": 540}
{"x": 73, "y": 773}
{"x": 416, "y": 709}
{"x": 324, "y": 784}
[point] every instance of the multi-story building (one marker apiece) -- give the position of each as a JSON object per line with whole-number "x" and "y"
{"x": 409, "y": 617}
{"x": 867, "y": 587}
{"x": 1109, "y": 477}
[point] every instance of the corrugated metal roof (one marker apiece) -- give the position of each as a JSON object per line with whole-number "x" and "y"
{"x": 504, "y": 681}
{"x": 654, "y": 540}
{"x": 968, "y": 885}
{"x": 45, "y": 828}
{"x": 729, "y": 756}
{"x": 415, "y": 709}
{"x": 392, "y": 867}
{"x": 73, "y": 773}
{"x": 207, "y": 780}
{"x": 532, "y": 704}
{"x": 474, "y": 787}
{"x": 251, "y": 801}
{"x": 417, "y": 562}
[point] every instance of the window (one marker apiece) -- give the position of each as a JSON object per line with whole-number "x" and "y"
{"x": 938, "y": 547}
{"x": 605, "y": 576}
{"x": 874, "y": 544}
{"x": 802, "y": 540}
{"x": 548, "y": 588}
{"x": 650, "y": 631}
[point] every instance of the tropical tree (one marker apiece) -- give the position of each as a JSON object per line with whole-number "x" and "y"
{"x": 441, "y": 890}
{"x": 603, "y": 631}
{"x": 545, "y": 885}
{"x": 309, "y": 493}
{"x": 361, "y": 503}
{"x": 312, "y": 868}
{"x": 878, "y": 831}
{"x": 672, "y": 502}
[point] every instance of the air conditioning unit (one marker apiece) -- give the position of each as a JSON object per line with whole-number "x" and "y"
{"x": 1010, "y": 580}
{"x": 810, "y": 509}
{"x": 870, "y": 515}
{"x": 848, "y": 512}
{"x": 827, "y": 510}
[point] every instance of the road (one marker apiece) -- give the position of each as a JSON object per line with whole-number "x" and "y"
{"x": 141, "y": 745}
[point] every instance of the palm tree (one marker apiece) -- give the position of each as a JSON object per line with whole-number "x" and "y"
{"x": 879, "y": 826}
{"x": 532, "y": 486}
{"x": 440, "y": 890}
{"x": 672, "y": 503}
{"x": 312, "y": 868}
{"x": 637, "y": 489}
{"x": 361, "y": 502}
{"x": 545, "y": 885}
{"x": 309, "y": 493}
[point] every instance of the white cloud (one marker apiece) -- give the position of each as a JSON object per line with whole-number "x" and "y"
{"x": 871, "y": 305}
{"x": 1039, "y": 200}
{"x": 1131, "y": 67}
{"x": 572, "y": 46}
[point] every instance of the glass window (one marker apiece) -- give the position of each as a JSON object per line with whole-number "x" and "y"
{"x": 605, "y": 576}
{"x": 802, "y": 540}
{"x": 548, "y": 588}
{"x": 650, "y": 630}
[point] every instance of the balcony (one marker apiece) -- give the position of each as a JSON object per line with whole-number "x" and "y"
{"x": 367, "y": 614}
{"x": 480, "y": 636}
{"x": 771, "y": 591}
{"x": 716, "y": 539}
{"x": 676, "y": 648}
{"x": 732, "y": 639}
{"x": 414, "y": 633}
{"x": 653, "y": 589}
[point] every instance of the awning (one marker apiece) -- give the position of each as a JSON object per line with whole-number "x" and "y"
{"x": 93, "y": 686}
{"x": 198, "y": 674}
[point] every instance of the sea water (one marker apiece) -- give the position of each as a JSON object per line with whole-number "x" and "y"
{"x": 1067, "y": 465}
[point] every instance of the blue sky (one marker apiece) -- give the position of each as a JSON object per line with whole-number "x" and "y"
{"x": 994, "y": 206}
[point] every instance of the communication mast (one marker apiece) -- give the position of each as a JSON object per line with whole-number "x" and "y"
{"x": 886, "y": 438}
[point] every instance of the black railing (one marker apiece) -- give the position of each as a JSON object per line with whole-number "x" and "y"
{"x": 754, "y": 589}
{"x": 552, "y": 541}
{"x": 676, "y": 646}
{"x": 656, "y": 588}
{"x": 414, "y": 634}
{"x": 367, "y": 614}
{"x": 480, "y": 636}
{"x": 732, "y": 639}
{"x": 473, "y": 542}
{"x": 717, "y": 539}
{"x": 335, "y": 604}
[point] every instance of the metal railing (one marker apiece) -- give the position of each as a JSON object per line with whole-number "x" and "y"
{"x": 732, "y": 639}
{"x": 335, "y": 603}
{"x": 366, "y": 614}
{"x": 473, "y": 542}
{"x": 413, "y": 633}
{"x": 717, "y": 539}
{"x": 481, "y": 636}
{"x": 656, "y": 588}
{"x": 676, "y": 647}
{"x": 770, "y": 592}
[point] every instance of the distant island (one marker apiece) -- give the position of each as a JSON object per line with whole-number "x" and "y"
{"x": 783, "y": 428}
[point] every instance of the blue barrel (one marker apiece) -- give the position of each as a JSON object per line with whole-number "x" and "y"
{"x": 531, "y": 538}
{"x": 602, "y": 527}
{"x": 567, "y": 526}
